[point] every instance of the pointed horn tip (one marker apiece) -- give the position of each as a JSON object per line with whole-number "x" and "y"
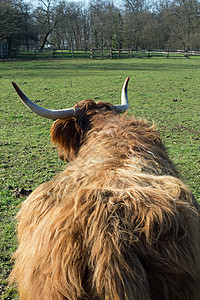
{"x": 14, "y": 84}
{"x": 127, "y": 80}
{"x": 16, "y": 87}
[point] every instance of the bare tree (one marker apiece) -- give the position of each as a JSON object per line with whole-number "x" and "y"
{"x": 48, "y": 15}
{"x": 184, "y": 22}
{"x": 105, "y": 24}
{"x": 134, "y": 22}
{"x": 134, "y": 5}
{"x": 73, "y": 30}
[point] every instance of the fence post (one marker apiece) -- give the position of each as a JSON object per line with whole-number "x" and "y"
{"x": 186, "y": 54}
{"x": 168, "y": 53}
{"x": 111, "y": 54}
{"x": 92, "y": 53}
{"x": 35, "y": 54}
{"x": 149, "y": 54}
{"x": 119, "y": 53}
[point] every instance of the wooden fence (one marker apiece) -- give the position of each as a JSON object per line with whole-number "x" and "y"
{"x": 104, "y": 54}
{"x": 129, "y": 53}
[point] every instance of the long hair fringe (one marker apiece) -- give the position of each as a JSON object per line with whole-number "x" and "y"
{"x": 117, "y": 223}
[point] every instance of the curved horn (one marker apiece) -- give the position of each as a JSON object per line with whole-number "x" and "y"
{"x": 124, "y": 99}
{"x": 43, "y": 112}
{"x": 70, "y": 112}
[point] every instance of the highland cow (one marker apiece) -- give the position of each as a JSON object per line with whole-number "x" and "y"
{"x": 117, "y": 223}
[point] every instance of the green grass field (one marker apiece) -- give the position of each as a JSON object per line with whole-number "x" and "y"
{"x": 164, "y": 90}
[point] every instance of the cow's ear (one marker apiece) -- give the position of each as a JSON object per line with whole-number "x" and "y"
{"x": 67, "y": 137}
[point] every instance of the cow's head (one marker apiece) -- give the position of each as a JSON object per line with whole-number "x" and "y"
{"x": 69, "y": 130}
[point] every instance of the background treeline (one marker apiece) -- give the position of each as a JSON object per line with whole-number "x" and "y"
{"x": 133, "y": 24}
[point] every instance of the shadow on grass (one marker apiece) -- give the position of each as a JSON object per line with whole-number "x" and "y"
{"x": 55, "y": 66}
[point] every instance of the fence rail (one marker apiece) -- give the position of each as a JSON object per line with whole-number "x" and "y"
{"x": 129, "y": 53}
{"x": 104, "y": 54}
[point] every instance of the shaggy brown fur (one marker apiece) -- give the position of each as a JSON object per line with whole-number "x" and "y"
{"x": 116, "y": 224}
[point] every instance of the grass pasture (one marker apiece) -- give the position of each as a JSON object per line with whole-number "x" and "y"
{"x": 164, "y": 90}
